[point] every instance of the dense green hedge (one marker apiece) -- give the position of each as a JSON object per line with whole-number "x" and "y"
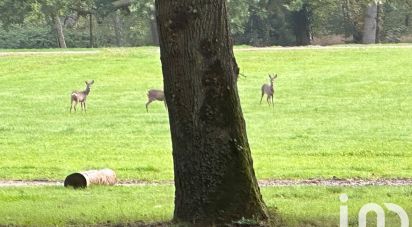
{"x": 31, "y": 37}
{"x": 26, "y": 37}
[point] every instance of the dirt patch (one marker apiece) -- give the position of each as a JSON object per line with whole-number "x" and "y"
{"x": 406, "y": 39}
{"x": 136, "y": 224}
{"x": 331, "y": 40}
{"x": 262, "y": 183}
{"x": 34, "y": 53}
{"x": 337, "y": 182}
{"x": 314, "y": 47}
{"x": 21, "y": 183}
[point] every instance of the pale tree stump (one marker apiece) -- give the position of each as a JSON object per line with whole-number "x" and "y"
{"x": 91, "y": 177}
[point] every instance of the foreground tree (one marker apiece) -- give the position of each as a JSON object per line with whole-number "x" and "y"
{"x": 214, "y": 177}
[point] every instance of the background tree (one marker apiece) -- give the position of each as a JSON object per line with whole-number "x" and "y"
{"x": 239, "y": 14}
{"x": 396, "y": 21}
{"x": 214, "y": 177}
{"x": 364, "y": 19}
{"x": 147, "y": 10}
{"x": 53, "y": 10}
{"x": 315, "y": 18}
{"x": 302, "y": 12}
{"x": 268, "y": 23}
{"x": 370, "y": 23}
{"x": 87, "y": 9}
{"x": 14, "y": 12}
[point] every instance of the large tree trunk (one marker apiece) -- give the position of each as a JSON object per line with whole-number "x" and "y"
{"x": 301, "y": 20}
{"x": 58, "y": 27}
{"x": 214, "y": 177}
{"x": 370, "y": 25}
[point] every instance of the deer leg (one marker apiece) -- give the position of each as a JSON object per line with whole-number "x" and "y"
{"x": 74, "y": 106}
{"x": 72, "y": 101}
{"x": 147, "y": 104}
{"x": 84, "y": 106}
{"x": 273, "y": 104}
{"x": 268, "y": 100}
{"x": 261, "y": 97}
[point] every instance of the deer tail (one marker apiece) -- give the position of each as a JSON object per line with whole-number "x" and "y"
{"x": 73, "y": 96}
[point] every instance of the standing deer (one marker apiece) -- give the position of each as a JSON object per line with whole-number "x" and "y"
{"x": 269, "y": 90}
{"x": 80, "y": 96}
{"x": 153, "y": 95}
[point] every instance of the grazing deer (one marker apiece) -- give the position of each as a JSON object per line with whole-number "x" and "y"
{"x": 80, "y": 96}
{"x": 269, "y": 90}
{"x": 154, "y": 95}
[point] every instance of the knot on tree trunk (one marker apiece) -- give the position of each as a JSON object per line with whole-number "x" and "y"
{"x": 181, "y": 18}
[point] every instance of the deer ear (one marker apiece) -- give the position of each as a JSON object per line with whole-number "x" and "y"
{"x": 275, "y": 76}
{"x": 86, "y": 81}
{"x": 270, "y": 76}
{"x": 92, "y": 82}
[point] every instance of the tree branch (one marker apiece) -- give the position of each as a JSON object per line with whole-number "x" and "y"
{"x": 121, "y": 3}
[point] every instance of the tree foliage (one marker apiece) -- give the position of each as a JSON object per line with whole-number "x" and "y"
{"x": 14, "y": 12}
{"x": 252, "y": 22}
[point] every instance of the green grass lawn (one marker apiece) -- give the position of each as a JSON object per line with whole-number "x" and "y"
{"x": 298, "y": 206}
{"x": 339, "y": 112}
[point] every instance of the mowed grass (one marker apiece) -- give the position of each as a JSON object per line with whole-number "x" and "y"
{"x": 297, "y": 206}
{"x": 338, "y": 112}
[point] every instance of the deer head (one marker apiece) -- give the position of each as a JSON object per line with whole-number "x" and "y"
{"x": 88, "y": 84}
{"x": 272, "y": 78}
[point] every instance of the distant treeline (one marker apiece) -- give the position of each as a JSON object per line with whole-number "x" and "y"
{"x": 107, "y": 23}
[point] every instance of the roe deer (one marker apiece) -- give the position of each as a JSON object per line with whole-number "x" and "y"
{"x": 269, "y": 90}
{"x": 80, "y": 96}
{"x": 153, "y": 95}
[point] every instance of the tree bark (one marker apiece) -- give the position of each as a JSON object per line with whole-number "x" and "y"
{"x": 379, "y": 22}
{"x": 91, "y": 37}
{"x": 302, "y": 26}
{"x": 58, "y": 27}
{"x": 153, "y": 30}
{"x": 118, "y": 28}
{"x": 214, "y": 177}
{"x": 370, "y": 25}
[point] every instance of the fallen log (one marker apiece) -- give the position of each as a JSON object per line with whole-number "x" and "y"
{"x": 91, "y": 177}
